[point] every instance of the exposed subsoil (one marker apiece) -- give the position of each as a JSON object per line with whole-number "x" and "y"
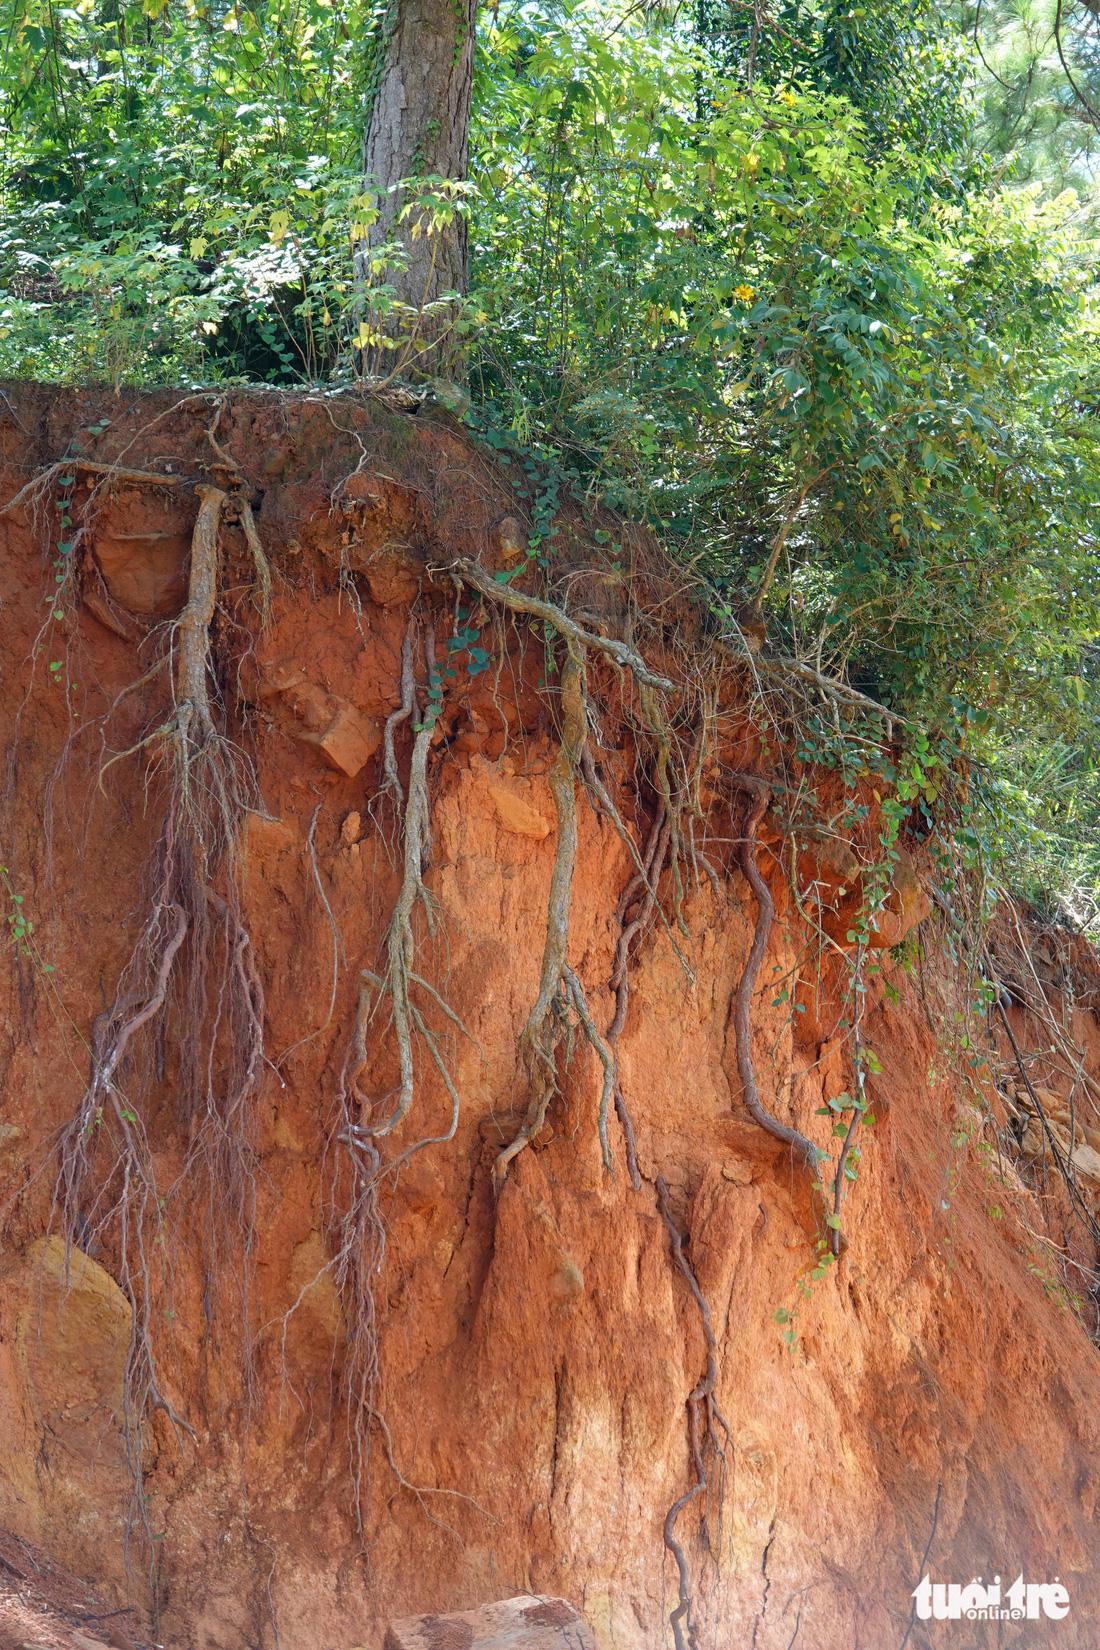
{"x": 536, "y": 1348}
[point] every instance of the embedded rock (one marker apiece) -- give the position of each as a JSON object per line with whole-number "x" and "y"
{"x": 515, "y": 814}
{"x": 528, "y": 1622}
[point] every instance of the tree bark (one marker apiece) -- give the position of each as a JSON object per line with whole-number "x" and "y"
{"x": 420, "y": 127}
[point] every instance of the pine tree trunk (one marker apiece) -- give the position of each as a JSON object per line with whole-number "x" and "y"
{"x": 420, "y": 127}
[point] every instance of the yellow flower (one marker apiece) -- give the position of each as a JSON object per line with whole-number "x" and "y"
{"x": 745, "y": 293}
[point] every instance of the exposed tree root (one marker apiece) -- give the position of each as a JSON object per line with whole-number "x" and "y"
{"x": 540, "y": 1036}
{"x": 360, "y": 1234}
{"x": 400, "y": 940}
{"x": 856, "y": 1118}
{"x": 391, "y": 780}
{"x": 839, "y": 692}
{"x": 643, "y": 883}
{"x": 760, "y": 793}
{"x": 195, "y": 950}
{"x": 704, "y": 1440}
{"x": 40, "y": 485}
{"x": 195, "y": 953}
{"x": 242, "y": 507}
{"x": 546, "y": 1023}
{"x": 576, "y": 996}
{"x": 599, "y": 792}
{"x": 661, "y": 733}
{"x": 472, "y": 573}
{"x": 360, "y": 1252}
{"x": 193, "y": 938}
{"x": 1062, "y": 1162}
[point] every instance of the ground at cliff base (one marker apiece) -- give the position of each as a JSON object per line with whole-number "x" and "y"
{"x": 43, "y": 1607}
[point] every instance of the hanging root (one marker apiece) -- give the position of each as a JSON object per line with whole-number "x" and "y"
{"x": 174, "y": 907}
{"x": 400, "y": 939}
{"x": 360, "y": 1252}
{"x": 546, "y": 1023}
{"x": 40, "y": 486}
{"x": 472, "y": 573}
{"x": 760, "y": 793}
{"x": 242, "y": 508}
{"x": 391, "y": 779}
{"x": 1063, "y": 1163}
{"x": 360, "y": 1233}
{"x": 221, "y": 1056}
{"x": 848, "y": 1141}
{"x": 704, "y": 1441}
{"x": 193, "y": 704}
{"x": 630, "y": 934}
{"x": 540, "y": 1036}
{"x": 661, "y": 733}
{"x": 575, "y": 992}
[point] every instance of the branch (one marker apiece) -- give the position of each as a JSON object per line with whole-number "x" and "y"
{"x": 1091, "y": 114}
{"x": 781, "y": 539}
{"x": 836, "y": 690}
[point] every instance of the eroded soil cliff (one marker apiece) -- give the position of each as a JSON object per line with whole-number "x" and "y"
{"x": 472, "y": 1393}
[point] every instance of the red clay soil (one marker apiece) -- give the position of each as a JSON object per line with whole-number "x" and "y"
{"x": 535, "y": 1350}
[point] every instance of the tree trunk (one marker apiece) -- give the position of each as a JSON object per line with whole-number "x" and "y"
{"x": 420, "y": 127}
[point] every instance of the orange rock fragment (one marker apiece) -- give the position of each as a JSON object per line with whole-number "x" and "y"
{"x": 517, "y": 815}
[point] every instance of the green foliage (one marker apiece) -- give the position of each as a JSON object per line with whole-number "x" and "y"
{"x": 181, "y": 198}
{"x": 745, "y": 320}
{"x": 899, "y": 68}
{"x": 747, "y": 282}
{"x": 1038, "y": 86}
{"x": 20, "y": 925}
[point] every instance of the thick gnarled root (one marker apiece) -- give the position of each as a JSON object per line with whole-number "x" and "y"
{"x": 559, "y": 989}
{"x": 195, "y": 951}
{"x": 541, "y": 1035}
